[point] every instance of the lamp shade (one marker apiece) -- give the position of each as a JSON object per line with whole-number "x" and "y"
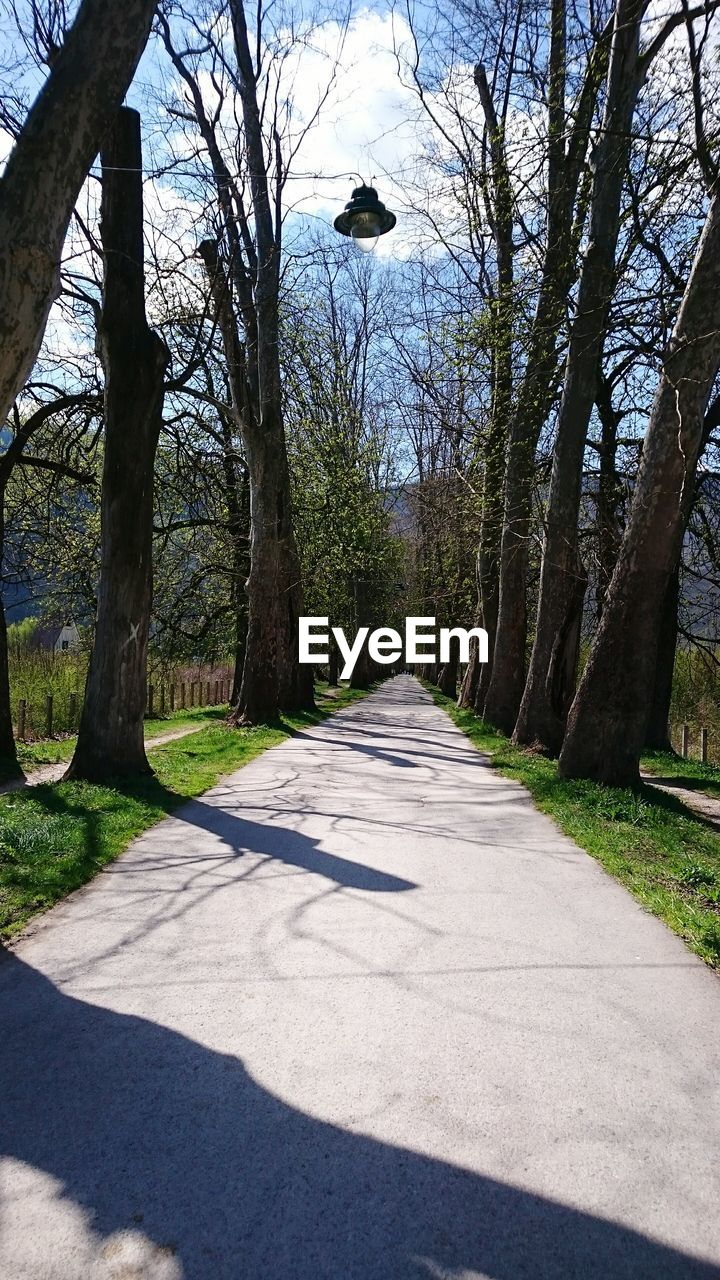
{"x": 365, "y": 218}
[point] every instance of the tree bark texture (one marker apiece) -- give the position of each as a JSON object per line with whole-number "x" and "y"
{"x": 608, "y": 719}
{"x": 609, "y": 498}
{"x": 48, "y": 165}
{"x": 448, "y": 674}
{"x": 334, "y": 663}
{"x": 657, "y": 731}
{"x": 271, "y": 672}
{"x": 8, "y": 752}
{"x": 501, "y": 345}
{"x": 550, "y": 683}
{"x": 237, "y": 496}
{"x": 565, "y": 218}
{"x": 272, "y": 676}
{"x": 471, "y": 676}
{"x": 110, "y": 740}
{"x": 362, "y": 675}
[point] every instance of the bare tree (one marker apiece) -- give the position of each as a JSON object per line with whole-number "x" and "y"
{"x": 249, "y": 203}
{"x": 551, "y": 676}
{"x": 272, "y": 676}
{"x": 568, "y": 130}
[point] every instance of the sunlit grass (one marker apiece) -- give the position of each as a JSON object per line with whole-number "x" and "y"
{"x": 694, "y": 775}
{"x": 54, "y": 838}
{"x": 32, "y": 755}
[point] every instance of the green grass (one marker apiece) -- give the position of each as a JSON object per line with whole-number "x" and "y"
{"x": 54, "y": 838}
{"x": 666, "y": 856}
{"x": 695, "y": 776}
{"x": 32, "y": 755}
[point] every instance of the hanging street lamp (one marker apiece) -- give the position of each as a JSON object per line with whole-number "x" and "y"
{"x": 365, "y": 218}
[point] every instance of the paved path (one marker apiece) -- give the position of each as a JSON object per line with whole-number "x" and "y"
{"x": 360, "y": 1013}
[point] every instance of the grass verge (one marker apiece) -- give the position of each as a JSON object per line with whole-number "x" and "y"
{"x": 54, "y": 838}
{"x": 668, "y": 857}
{"x": 31, "y": 755}
{"x": 693, "y": 775}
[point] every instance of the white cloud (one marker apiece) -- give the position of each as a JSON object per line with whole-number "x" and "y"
{"x": 370, "y": 126}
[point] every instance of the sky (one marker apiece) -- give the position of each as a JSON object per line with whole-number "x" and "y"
{"x": 369, "y": 125}
{"x": 372, "y": 126}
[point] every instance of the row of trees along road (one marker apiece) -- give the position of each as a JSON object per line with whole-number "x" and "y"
{"x": 513, "y": 419}
{"x": 592, "y": 279}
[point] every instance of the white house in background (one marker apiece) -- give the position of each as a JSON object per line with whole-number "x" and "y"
{"x": 63, "y": 638}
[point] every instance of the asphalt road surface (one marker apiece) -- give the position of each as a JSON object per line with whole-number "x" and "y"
{"x": 359, "y": 1013}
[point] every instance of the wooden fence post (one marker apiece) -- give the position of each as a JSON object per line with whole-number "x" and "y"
{"x": 22, "y": 709}
{"x": 703, "y": 745}
{"x": 207, "y": 694}
{"x": 182, "y": 696}
{"x": 72, "y": 709}
{"x": 49, "y": 716}
{"x": 217, "y": 692}
{"x": 172, "y": 697}
{"x": 192, "y": 693}
{"x": 151, "y": 696}
{"x": 162, "y": 699}
{"x": 685, "y": 741}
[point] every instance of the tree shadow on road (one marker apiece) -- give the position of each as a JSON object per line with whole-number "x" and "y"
{"x": 284, "y": 844}
{"x": 187, "y": 1169}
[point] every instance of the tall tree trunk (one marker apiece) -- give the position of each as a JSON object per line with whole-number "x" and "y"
{"x": 473, "y": 671}
{"x": 272, "y": 676}
{"x": 609, "y": 494}
{"x": 333, "y": 665}
{"x": 271, "y": 673}
{"x": 567, "y": 197}
{"x": 362, "y": 676}
{"x": 8, "y": 752}
{"x": 501, "y": 342}
{"x": 237, "y": 495}
{"x": 110, "y": 739}
{"x": 240, "y": 572}
{"x": 48, "y": 165}
{"x": 239, "y": 655}
{"x": 608, "y": 719}
{"x": 550, "y": 682}
{"x": 447, "y": 677}
{"x": 657, "y": 731}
